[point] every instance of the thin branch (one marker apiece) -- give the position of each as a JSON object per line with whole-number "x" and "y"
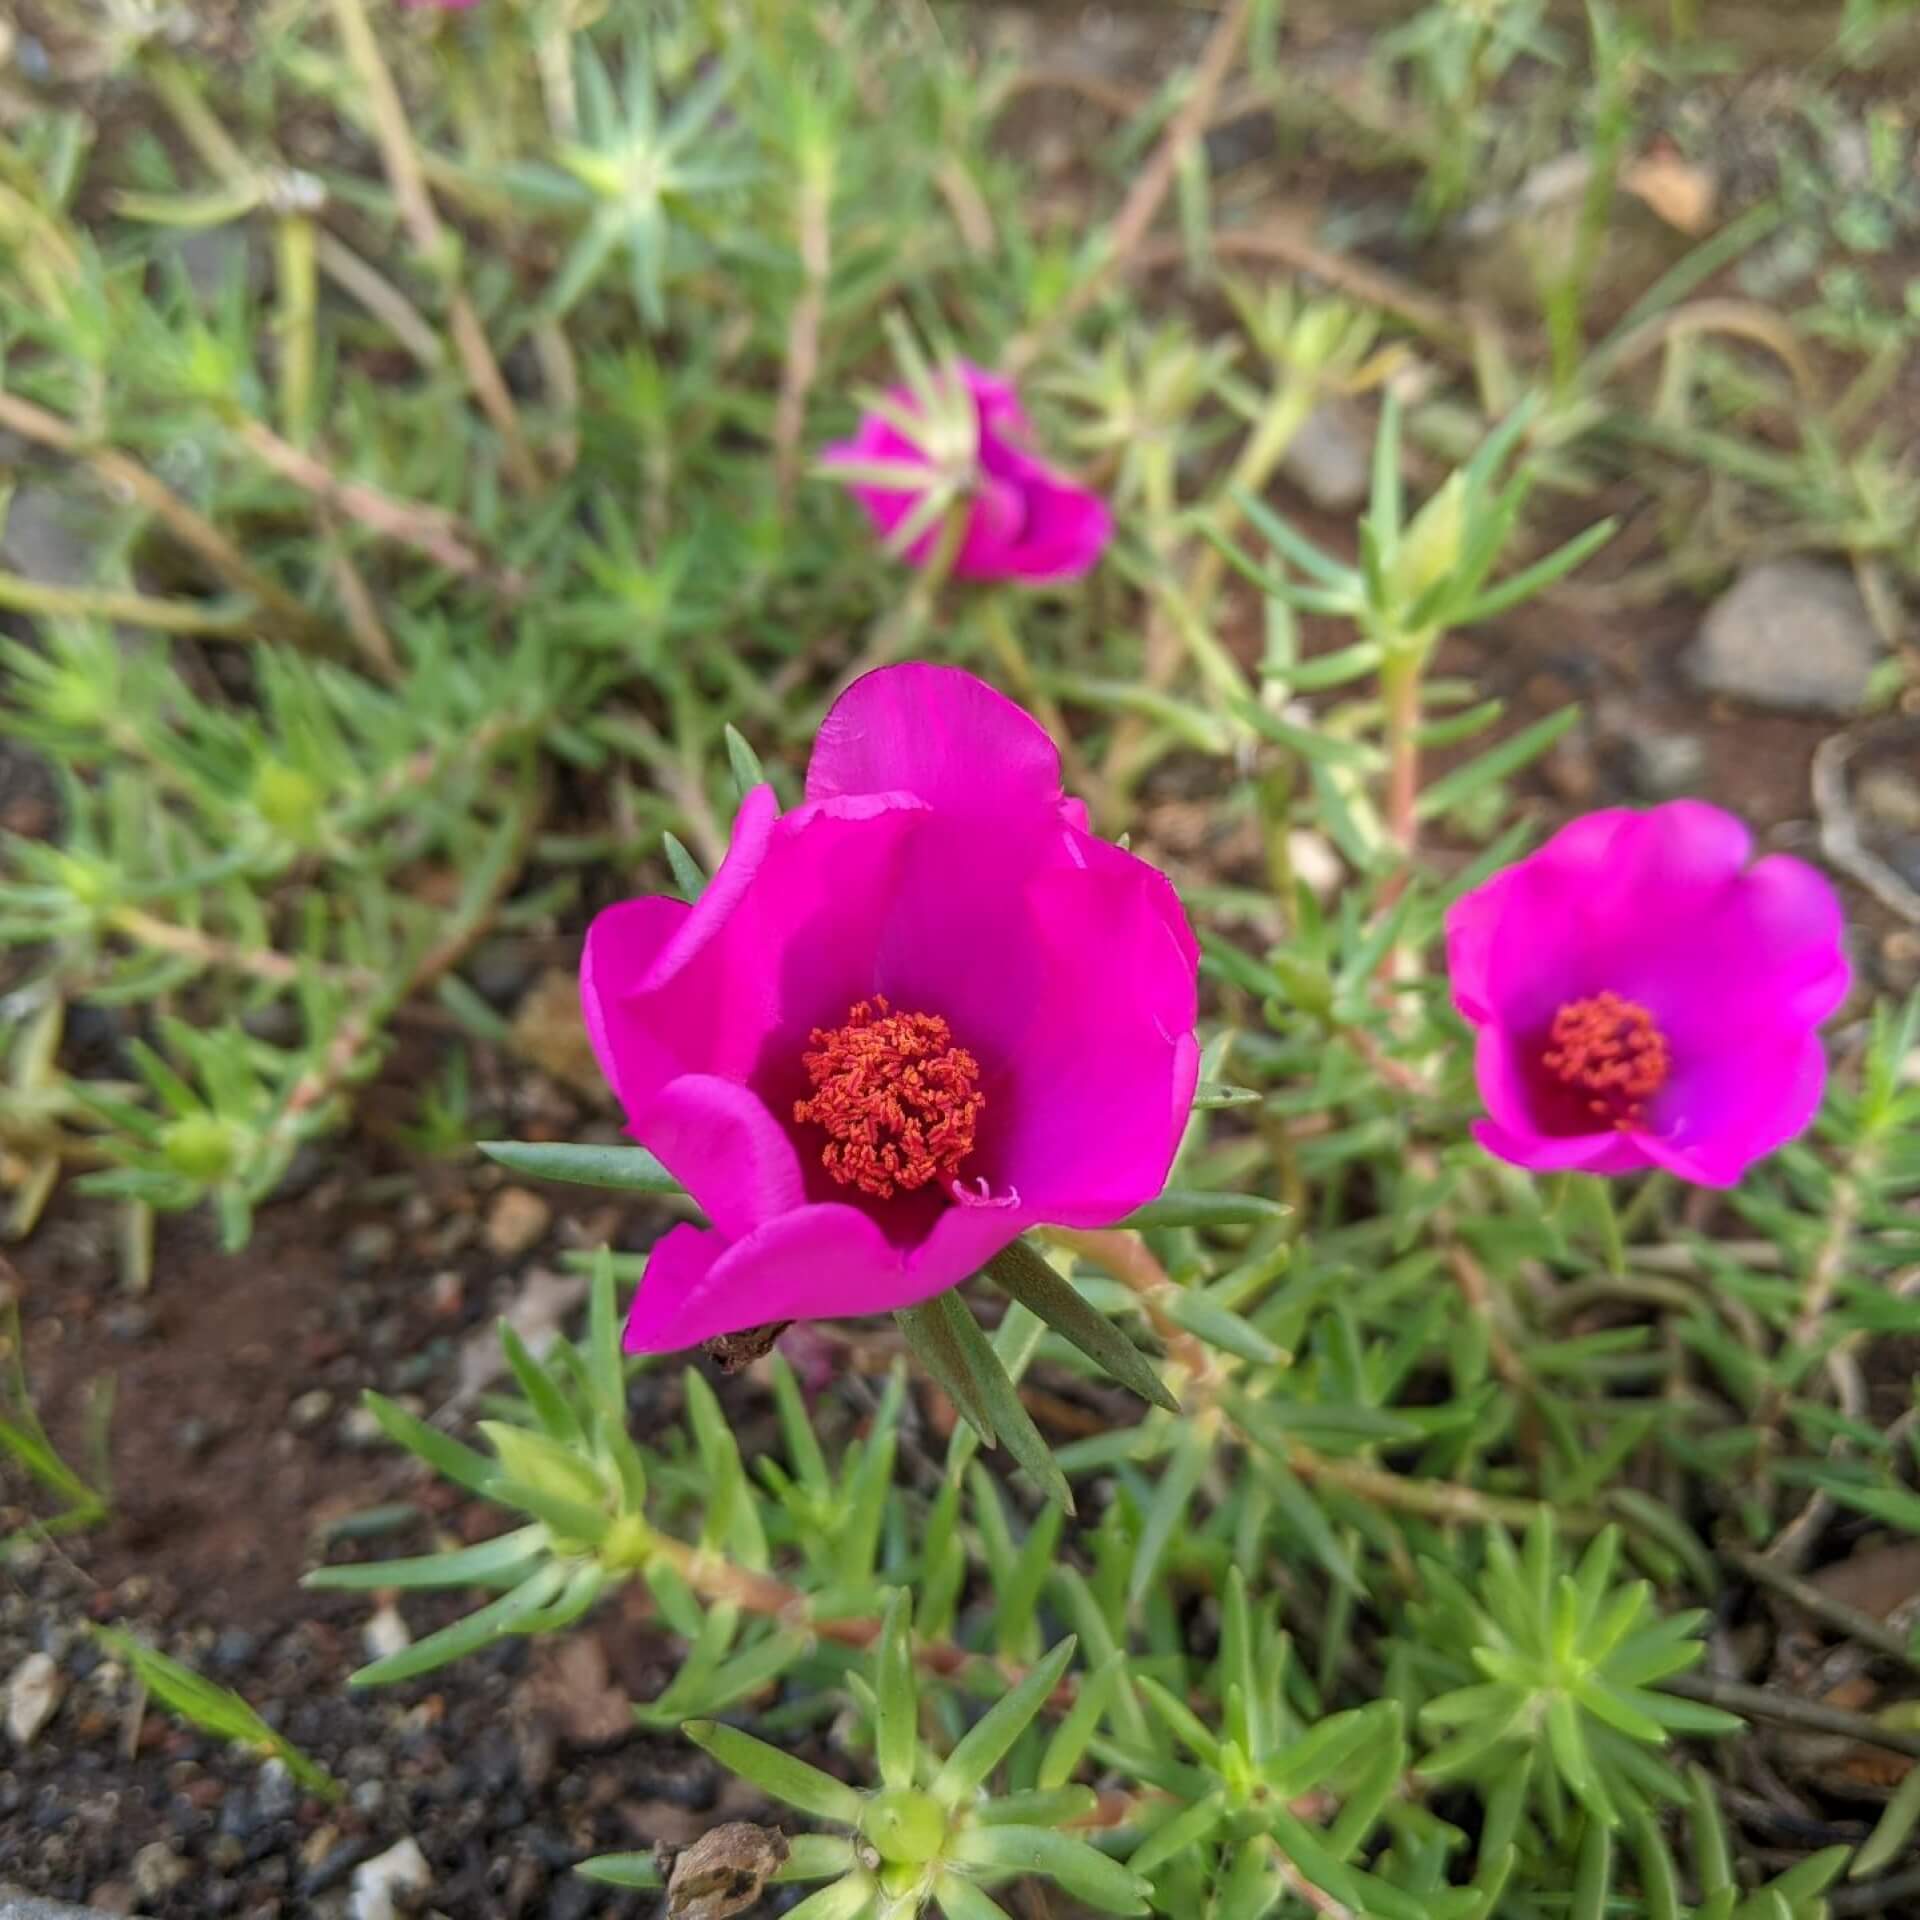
{"x": 125, "y": 607}
{"x": 802, "y": 364}
{"x": 432, "y": 531}
{"x": 1853, "y": 1621}
{"x": 1143, "y": 201}
{"x": 125, "y": 475}
{"x": 1789, "y": 1710}
{"x": 409, "y": 183}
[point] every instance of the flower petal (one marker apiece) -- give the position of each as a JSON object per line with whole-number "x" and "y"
{"x": 719, "y": 1141}
{"x": 1728, "y": 1107}
{"x": 938, "y": 733}
{"x": 816, "y": 1262}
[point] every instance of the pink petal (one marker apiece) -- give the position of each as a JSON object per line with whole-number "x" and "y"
{"x": 938, "y": 733}
{"x": 719, "y": 1141}
{"x": 824, "y": 1262}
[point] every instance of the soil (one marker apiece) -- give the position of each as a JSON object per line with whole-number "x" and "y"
{"x": 238, "y": 1462}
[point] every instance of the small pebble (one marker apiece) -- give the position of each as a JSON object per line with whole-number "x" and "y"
{"x": 384, "y": 1634}
{"x": 516, "y": 1222}
{"x": 129, "y": 1320}
{"x": 378, "y": 1883}
{"x": 32, "y": 1695}
{"x": 368, "y": 1246}
{"x": 359, "y": 1429}
{"x": 309, "y": 1410}
{"x": 275, "y": 1793}
{"x": 157, "y": 1870}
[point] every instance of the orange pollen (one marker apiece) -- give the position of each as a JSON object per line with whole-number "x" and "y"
{"x": 898, "y": 1099}
{"x": 1611, "y": 1050}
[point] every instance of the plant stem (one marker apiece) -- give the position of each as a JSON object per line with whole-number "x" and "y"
{"x": 408, "y": 180}
{"x": 1852, "y": 1621}
{"x": 1788, "y": 1710}
{"x": 122, "y": 474}
{"x": 1400, "y": 690}
{"x": 126, "y": 608}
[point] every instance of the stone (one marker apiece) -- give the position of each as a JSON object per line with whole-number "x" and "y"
{"x": 1789, "y": 634}
{"x": 516, "y": 1222}
{"x": 46, "y": 535}
{"x": 157, "y": 1870}
{"x": 380, "y": 1883}
{"x": 385, "y": 1633}
{"x": 33, "y": 1694}
{"x": 1329, "y": 459}
{"x": 1889, "y": 799}
{"x": 369, "y": 1246}
{"x": 309, "y": 1410}
{"x": 1662, "y": 766}
{"x": 27, "y": 1906}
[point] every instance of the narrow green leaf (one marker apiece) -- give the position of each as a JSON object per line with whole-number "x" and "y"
{"x": 687, "y": 877}
{"x": 1891, "y": 1831}
{"x": 745, "y": 763}
{"x": 498, "y": 1561}
{"x": 1074, "y": 1734}
{"x": 933, "y": 1337}
{"x": 620, "y": 1169}
{"x": 1167, "y": 1510}
{"x": 985, "y": 1743}
{"x": 1495, "y": 764}
{"x": 788, "y": 1779}
{"x": 478, "y": 1629}
{"x": 445, "y": 1455}
{"x": 1218, "y": 1325}
{"x": 960, "y": 1899}
{"x": 1179, "y": 1207}
{"x": 1084, "y": 1871}
{"x": 1039, "y": 1807}
{"x": 1023, "y": 1272}
{"x": 897, "y": 1718}
{"x": 988, "y": 1376}
{"x": 1188, "y": 1828}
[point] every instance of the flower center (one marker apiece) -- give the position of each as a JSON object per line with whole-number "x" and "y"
{"x": 1610, "y": 1050}
{"x": 899, "y": 1101}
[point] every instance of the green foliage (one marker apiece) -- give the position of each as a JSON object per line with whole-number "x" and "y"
{"x": 213, "y": 1709}
{"x": 85, "y": 1497}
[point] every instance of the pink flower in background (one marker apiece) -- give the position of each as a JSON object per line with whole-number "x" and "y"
{"x": 1025, "y": 521}
{"x": 1646, "y": 998}
{"x": 917, "y": 1015}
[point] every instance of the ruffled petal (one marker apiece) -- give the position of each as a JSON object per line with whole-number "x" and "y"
{"x": 938, "y": 733}
{"x": 719, "y": 1141}
{"x": 1063, "y": 528}
{"x": 1727, "y": 1107}
{"x": 815, "y": 1262}
{"x": 752, "y": 967}
{"x": 1085, "y": 1022}
{"x": 1571, "y": 1153}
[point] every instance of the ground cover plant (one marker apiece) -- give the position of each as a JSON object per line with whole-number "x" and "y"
{"x": 966, "y": 751}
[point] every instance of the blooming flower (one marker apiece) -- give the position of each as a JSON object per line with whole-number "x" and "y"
{"x": 1645, "y": 998}
{"x": 1024, "y": 520}
{"x": 917, "y": 1015}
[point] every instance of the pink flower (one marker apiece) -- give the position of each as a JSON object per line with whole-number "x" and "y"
{"x": 1024, "y": 520}
{"x": 917, "y": 1015}
{"x": 1645, "y": 998}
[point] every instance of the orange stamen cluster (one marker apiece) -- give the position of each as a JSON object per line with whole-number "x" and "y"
{"x": 898, "y": 1099}
{"x": 1611, "y": 1050}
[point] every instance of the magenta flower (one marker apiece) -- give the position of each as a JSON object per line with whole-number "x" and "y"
{"x": 917, "y": 1015}
{"x": 1024, "y": 520}
{"x": 1645, "y": 998}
